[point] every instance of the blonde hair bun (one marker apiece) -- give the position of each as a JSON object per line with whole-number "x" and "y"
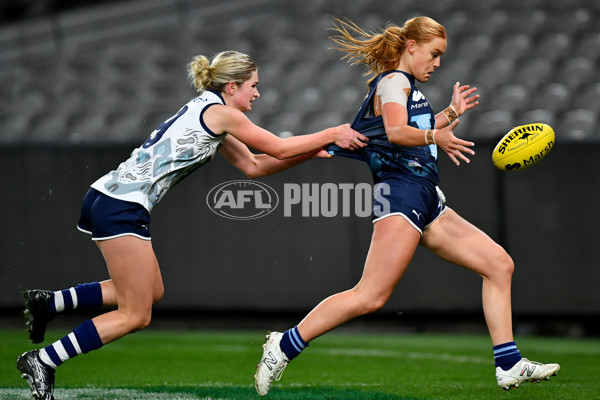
{"x": 227, "y": 66}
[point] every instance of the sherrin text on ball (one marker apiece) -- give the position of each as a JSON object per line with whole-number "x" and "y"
{"x": 523, "y": 146}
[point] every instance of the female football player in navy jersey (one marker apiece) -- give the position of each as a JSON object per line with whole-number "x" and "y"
{"x": 116, "y": 210}
{"x": 409, "y": 208}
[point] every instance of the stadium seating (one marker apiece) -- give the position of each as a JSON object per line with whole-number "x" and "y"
{"x": 587, "y": 97}
{"x": 109, "y": 73}
{"x": 579, "y": 124}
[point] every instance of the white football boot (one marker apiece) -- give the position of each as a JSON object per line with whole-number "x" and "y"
{"x": 271, "y": 365}
{"x": 525, "y": 371}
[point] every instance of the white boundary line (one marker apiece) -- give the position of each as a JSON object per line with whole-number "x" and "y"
{"x": 104, "y": 393}
{"x": 362, "y": 352}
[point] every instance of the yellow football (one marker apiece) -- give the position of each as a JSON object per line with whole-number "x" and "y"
{"x": 523, "y": 147}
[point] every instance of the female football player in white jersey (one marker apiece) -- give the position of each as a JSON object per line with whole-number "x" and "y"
{"x": 116, "y": 209}
{"x": 410, "y": 209}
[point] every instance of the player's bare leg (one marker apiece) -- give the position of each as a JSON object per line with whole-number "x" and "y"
{"x": 461, "y": 243}
{"x": 137, "y": 283}
{"x": 393, "y": 245}
{"x": 386, "y": 262}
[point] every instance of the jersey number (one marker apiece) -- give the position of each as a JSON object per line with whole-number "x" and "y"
{"x": 162, "y": 128}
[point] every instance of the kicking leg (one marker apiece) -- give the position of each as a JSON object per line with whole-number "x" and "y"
{"x": 461, "y": 243}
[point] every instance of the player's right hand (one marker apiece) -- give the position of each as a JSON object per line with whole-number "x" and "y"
{"x": 455, "y": 148}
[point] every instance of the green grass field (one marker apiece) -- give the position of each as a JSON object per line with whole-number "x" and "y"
{"x": 220, "y": 365}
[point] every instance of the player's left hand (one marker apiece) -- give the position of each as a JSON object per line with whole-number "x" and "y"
{"x": 462, "y": 99}
{"x": 349, "y": 139}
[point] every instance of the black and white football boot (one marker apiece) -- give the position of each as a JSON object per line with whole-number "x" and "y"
{"x": 37, "y": 313}
{"x": 39, "y": 377}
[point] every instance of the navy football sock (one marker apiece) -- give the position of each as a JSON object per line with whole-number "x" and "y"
{"x": 83, "y": 339}
{"x": 292, "y": 343}
{"x": 506, "y": 355}
{"x": 86, "y": 295}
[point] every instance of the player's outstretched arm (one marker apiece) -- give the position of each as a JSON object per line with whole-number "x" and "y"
{"x": 258, "y": 165}
{"x": 224, "y": 119}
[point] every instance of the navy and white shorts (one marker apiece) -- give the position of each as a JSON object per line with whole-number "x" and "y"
{"x": 416, "y": 202}
{"x": 106, "y": 218}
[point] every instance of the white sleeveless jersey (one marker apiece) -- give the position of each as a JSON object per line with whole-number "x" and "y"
{"x": 175, "y": 149}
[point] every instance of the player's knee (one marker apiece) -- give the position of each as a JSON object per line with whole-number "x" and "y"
{"x": 503, "y": 265}
{"x": 141, "y": 320}
{"x": 377, "y": 304}
{"x": 158, "y": 294}
{"x": 145, "y": 320}
{"x": 507, "y": 265}
{"x": 373, "y": 303}
{"x": 137, "y": 320}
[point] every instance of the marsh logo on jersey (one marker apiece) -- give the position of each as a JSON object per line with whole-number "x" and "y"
{"x": 417, "y": 96}
{"x": 242, "y": 200}
{"x": 418, "y": 100}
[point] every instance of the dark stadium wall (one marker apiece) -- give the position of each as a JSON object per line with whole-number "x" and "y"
{"x": 547, "y": 220}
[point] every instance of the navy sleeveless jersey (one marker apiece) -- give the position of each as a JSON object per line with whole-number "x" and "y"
{"x": 418, "y": 163}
